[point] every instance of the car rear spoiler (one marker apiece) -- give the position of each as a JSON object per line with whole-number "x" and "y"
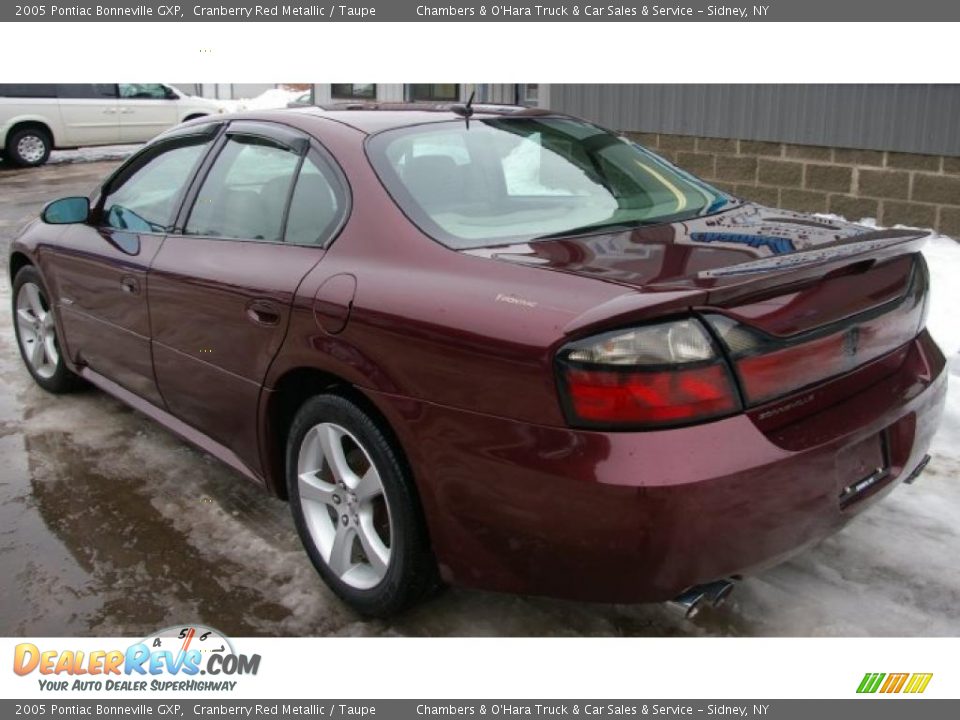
{"x": 751, "y": 281}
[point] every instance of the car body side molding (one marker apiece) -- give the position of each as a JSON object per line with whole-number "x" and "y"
{"x": 171, "y": 423}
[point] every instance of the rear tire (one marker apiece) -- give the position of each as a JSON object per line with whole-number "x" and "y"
{"x": 29, "y": 147}
{"x": 36, "y": 332}
{"x": 356, "y": 509}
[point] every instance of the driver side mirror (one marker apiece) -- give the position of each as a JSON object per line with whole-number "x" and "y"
{"x": 67, "y": 211}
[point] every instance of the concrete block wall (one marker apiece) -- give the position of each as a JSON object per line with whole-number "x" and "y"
{"x": 895, "y": 188}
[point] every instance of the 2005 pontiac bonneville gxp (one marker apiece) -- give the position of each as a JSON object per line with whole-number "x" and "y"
{"x": 492, "y": 346}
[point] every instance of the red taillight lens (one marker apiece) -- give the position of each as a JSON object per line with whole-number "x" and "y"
{"x": 650, "y": 398}
{"x": 770, "y": 367}
{"x": 657, "y": 375}
{"x": 779, "y": 372}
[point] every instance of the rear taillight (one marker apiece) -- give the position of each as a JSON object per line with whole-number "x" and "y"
{"x": 770, "y": 367}
{"x": 658, "y": 375}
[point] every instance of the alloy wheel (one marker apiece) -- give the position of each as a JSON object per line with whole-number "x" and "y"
{"x": 344, "y": 504}
{"x": 36, "y": 331}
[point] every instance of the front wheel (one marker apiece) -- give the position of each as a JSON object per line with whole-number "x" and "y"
{"x": 356, "y": 509}
{"x": 37, "y": 333}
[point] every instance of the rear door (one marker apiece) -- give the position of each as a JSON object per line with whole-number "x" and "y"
{"x": 99, "y": 269}
{"x": 89, "y": 113}
{"x": 145, "y": 110}
{"x": 222, "y": 286}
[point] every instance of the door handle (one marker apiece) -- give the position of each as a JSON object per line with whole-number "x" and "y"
{"x": 263, "y": 312}
{"x": 130, "y": 285}
{"x": 109, "y": 111}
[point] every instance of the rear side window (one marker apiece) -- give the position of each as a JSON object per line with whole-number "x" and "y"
{"x": 78, "y": 91}
{"x": 317, "y": 205}
{"x": 245, "y": 194}
{"x": 144, "y": 198}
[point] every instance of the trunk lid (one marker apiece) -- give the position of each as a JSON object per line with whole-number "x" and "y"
{"x": 783, "y": 272}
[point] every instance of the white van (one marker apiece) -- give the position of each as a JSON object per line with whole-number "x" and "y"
{"x": 35, "y": 119}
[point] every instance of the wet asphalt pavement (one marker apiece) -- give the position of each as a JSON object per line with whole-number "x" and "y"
{"x": 109, "y": 525}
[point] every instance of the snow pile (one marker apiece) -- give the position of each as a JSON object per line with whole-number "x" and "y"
{"x": 267, "y": 100}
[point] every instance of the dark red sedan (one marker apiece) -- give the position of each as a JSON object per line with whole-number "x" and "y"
{"x": 493, "y": 346}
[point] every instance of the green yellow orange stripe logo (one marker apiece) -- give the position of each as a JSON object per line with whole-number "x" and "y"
{"x": 913, "y": 683}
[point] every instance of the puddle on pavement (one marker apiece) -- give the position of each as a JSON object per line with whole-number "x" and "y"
{"x": 143, "y": 567}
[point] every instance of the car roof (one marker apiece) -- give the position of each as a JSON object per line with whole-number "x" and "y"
{"x": 370, "y": 117}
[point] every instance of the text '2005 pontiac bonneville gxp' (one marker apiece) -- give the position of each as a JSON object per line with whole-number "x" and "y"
{"x": 496, "y": 347}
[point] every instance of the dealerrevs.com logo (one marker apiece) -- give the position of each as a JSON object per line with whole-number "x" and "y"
{"x": 892, "y": 683}
{"x": 171, "y": 659}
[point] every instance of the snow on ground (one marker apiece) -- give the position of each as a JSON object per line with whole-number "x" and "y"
{"x": 267, "y": 100}
{"x": 943, "y": 259}
{"x": 92, "y": 154}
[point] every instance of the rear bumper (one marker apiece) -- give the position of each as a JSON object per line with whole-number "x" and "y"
{"x": 635, "y": 517}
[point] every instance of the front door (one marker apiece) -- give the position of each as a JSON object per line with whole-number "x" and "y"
{"x": 221, "y": 289}
{"x": 99, "y": 272}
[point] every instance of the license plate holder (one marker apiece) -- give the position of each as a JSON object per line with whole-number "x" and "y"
{"x": 862, "y": 468}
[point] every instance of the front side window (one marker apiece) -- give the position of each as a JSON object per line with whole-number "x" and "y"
{"x": 246, "y": 191}
{"x": 521, "y": 179}
{"x": 144, "y": 198}
{"x": 143, "y": 91}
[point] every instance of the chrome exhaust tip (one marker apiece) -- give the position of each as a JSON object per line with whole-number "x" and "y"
{"x": 687, "y": 603}
{"x": 716, "y": 593}
{"x": 692, "y": 600}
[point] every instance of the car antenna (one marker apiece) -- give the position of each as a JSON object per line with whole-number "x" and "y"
{"x": 465, "y": 111}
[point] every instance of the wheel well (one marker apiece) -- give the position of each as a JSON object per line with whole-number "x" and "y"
{"x": 31, "y": 124}
{"x": 292, "y": 390}
{"x": 188, "y": 118}
{"x": 18, "y": 261}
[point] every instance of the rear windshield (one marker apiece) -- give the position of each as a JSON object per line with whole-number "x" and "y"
{"x": 521, "y": 179}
